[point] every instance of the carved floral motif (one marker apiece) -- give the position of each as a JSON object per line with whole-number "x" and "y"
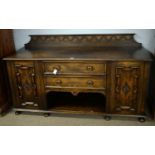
{"x": 126, "y": 86}
{"x": 26, "y": 84}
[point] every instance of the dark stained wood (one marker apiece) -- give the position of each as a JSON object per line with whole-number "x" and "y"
{"x": 81, "y": 103}
{"x": 6, "y": 48}
{"x": 26, "y": 93}
{"x": 78, "y": 54}
{"x": 100, "y": 40}
{"x": 6, "y": 43}
{"x": 126, "y": 82}
{"x": 114, "y": 66}
{"x": 151, "y": 98}
{"x": 74, "y": 67}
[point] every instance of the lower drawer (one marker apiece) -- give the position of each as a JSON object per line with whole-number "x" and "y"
{"x": 80, "y": 82}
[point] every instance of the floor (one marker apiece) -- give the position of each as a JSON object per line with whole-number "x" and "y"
{"x": 30, "y": 119}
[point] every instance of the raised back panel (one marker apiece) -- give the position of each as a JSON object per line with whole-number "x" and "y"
{"x": 108, "y": 40}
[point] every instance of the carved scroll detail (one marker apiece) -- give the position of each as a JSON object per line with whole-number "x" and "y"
{"x": 126, "y": 87}
{"x": 100, "y": 40}
{"x": 26, "y": 83}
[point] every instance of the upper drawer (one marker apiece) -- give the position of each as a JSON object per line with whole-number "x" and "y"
{"x": 74, "y": 68}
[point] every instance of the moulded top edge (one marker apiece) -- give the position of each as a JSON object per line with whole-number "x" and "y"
{"x": 111, "y": 34}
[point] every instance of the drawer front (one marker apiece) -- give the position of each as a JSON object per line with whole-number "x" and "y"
{"x": 74, "y": 68}
{"x": 80, "y": 82}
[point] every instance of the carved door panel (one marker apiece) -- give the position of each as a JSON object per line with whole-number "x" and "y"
{"x": 126, "y": 82}
{"x": 26, "y": 82}
{"x": 24, "y": 85}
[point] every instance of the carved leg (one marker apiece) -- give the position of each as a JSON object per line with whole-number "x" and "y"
{"x": 46, "y": 114}
{"x": 18, "y": 112}
{"x": 141, "y": 119}
{"x": 107, "y": 118}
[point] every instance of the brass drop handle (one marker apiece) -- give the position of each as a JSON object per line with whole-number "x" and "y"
{"x": 90, "y": 83}
{"x": 58, "y": 82}
{"x": 90, "y": 68}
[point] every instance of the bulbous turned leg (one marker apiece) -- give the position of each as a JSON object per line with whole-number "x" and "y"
{"x": 18, "y": 112}
{"x": 107, "y": 118}
{"x": 141, "y": 119}
{"x": 46, "y": 114}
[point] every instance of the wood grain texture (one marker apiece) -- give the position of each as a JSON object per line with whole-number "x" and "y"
{"x": 78, "y": 54}
{"x": 98, "y": 40}
{"x": 112, "y": 66}
{"x": 6, "y": 48}
{"x": 126, "y": 87}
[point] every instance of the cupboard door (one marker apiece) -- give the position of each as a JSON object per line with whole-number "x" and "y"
{"x": 126, "y": 88}
{"x": 23, "y": 84}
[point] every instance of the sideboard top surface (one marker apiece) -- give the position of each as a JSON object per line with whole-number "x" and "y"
{"x": 115, "y": 47}
{"x": 82, "y": 54}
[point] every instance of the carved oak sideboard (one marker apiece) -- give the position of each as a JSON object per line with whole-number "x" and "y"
{"x": 81, "y": 74}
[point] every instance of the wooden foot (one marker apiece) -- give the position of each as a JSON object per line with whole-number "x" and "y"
{"x": 141, "y": 119}
{"x": 107, "y": 118}
{"x": 46, "y": 114}
{"x": 18, "y": 112}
